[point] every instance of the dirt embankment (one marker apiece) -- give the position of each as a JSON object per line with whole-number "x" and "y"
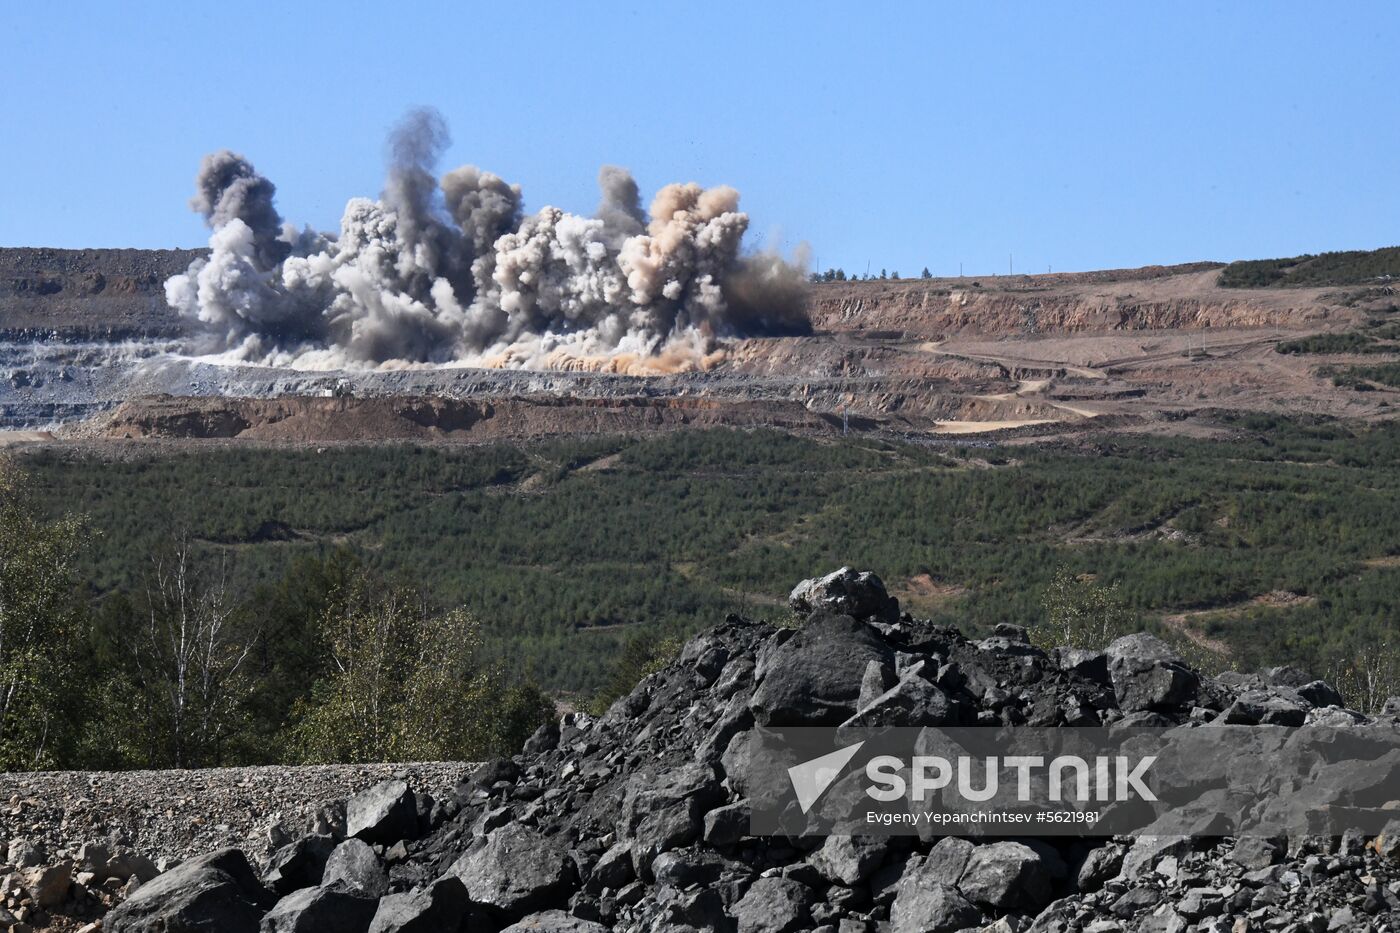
{"x": 89, "y": 294}
{"x": 310, "y": 420}
{"x": 1175, "y": 298}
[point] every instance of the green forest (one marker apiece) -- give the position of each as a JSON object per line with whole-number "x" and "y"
{"x": 566, "y": 550}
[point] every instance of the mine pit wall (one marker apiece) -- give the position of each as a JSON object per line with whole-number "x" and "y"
{"x": 89, "y": 294}
{"x": 915, "y": 310}
{"x": 929, "y": 315}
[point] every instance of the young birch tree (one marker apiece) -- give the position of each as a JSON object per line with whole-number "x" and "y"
{"x": 189, "y": 656}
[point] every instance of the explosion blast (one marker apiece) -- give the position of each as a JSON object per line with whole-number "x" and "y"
{"x": 451, "y": 270}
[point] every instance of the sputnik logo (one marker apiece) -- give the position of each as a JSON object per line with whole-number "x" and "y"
{"x": 810, "y": 779}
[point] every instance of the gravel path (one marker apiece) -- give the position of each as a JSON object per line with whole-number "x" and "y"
{"x": 174, "y": 814}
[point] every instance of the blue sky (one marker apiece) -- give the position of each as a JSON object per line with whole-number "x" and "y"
{"x": 1071, "y": 136}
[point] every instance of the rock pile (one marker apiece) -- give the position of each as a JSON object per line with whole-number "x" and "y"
{"x": 70, "y": 891}
{"x": 637, "y": 820}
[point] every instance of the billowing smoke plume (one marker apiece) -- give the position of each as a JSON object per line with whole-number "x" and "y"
{"x": 452, "y": 270}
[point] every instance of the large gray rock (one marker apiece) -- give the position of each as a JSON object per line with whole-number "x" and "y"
{"x": 385, "y": 813}
{"x": 664, "y": 811}
{"x": 1321, "y": 693}
{"x": 1148, "y": 675}
{"x": 555, "y": 921}
{"x": 814, "y": 678}
{"x": 354, "y": 862}
{"x": 217, "y": 893}
{"x": 1006, "y": 876}
{"x": 334, "y": 907}
{"x": 912, "y": 701}
{"x": 1099, "y": 866}
{"x": 686, "y": 868}
{"x": 858, "y": 594}
{"x": 726, "y": 825}
{"x": 516, "y": 871}
{"x": 926, "y": 902}
{"x": 441, "y": 907}
{"x": 299, "y": 864}
{"x": 878, "y": 678}
{"x": 947, "y": 859}
{"x": 1277, "y": 706}
{"x": 1141, "y": 646}
{"x": 775, "y": 905}
{"x": 1255, "y": 852}
{"x": 849, "y": 860}
{"x": 612, "y": 870}
{"x": 1083, "y": 662}
{"x": 1148, "y": 851}
{"x": 1135, "y": 901}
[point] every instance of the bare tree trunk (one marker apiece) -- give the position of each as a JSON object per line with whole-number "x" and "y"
{"x": 190, "y": 656}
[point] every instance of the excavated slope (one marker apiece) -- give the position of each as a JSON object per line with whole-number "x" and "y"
{"x": 302, "y": 419}
{"x": 89, "y": 294}
{"x": 1087, "y": 303}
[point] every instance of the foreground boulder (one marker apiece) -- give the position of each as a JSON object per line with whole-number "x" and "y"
{"x": 323, "y": 908}
{"x": 299, "y": 864}
{"x": 218, "y": 891}
{"x": 808, "y": 680}
{"x": 555, "y": 921}
{"x": 384, "y": 814}
{"x": 1004, "y": 876}
{"x": 515, "y": 871}
{"x": 775, "y": 905}
{"x": 928, "y": 903}
{"x": 666, "y": 810}
{"x": 438, "y": 908}
{"x": 355, "y": 863}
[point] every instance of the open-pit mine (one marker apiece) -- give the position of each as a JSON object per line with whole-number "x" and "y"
{"x": 90, "y": 349}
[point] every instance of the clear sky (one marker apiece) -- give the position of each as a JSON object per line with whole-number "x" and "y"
{"x": 1071, "y": 136}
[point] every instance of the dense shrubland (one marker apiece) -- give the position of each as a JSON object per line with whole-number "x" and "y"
{"x": 1380, "y": 336}
{"x": 1351, "y": 267}
{"x": 1363, "y": 378}
{"x": 575, "y": 564}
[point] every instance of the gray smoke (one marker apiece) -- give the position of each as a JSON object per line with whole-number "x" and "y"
{"x": 620, "y": 209}
{"x": 229, "y": 188}
{"x": 452, "y": 270}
